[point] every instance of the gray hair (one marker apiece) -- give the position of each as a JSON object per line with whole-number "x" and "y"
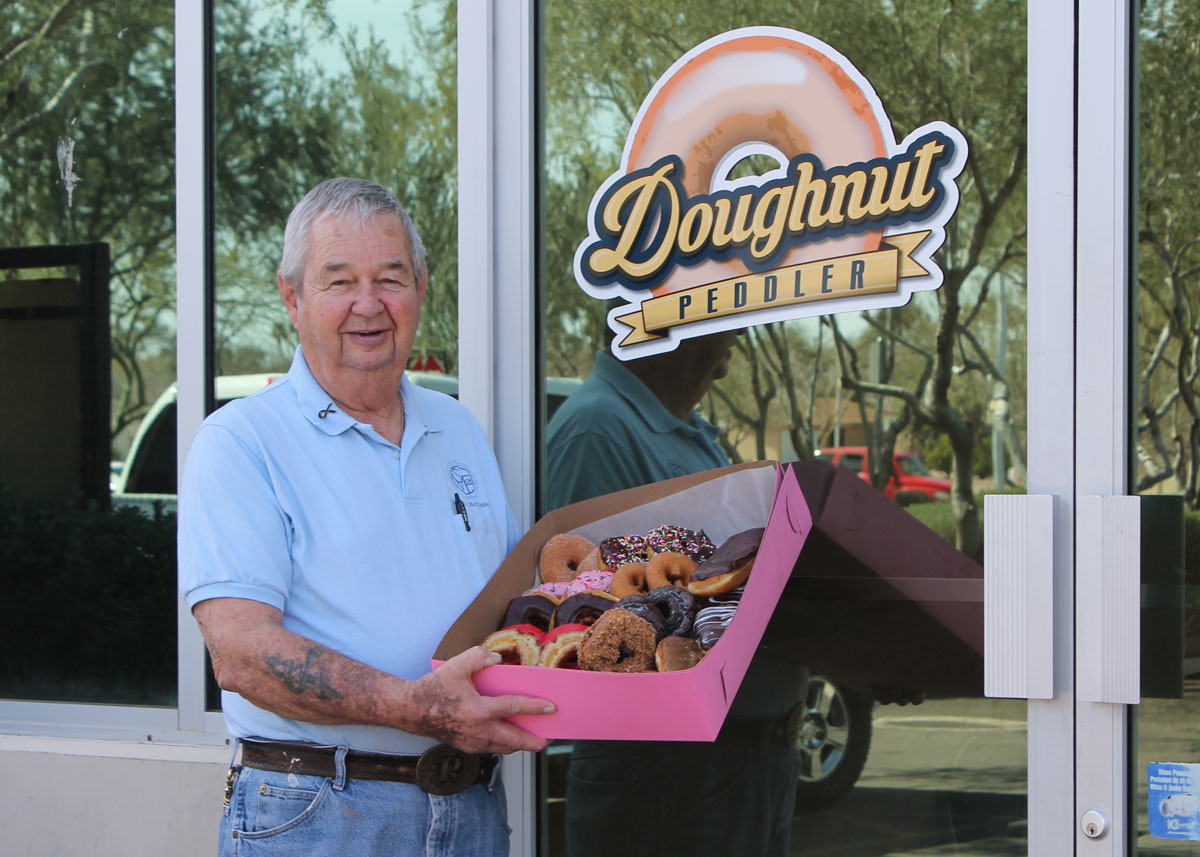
{"x": 342, "y": 197}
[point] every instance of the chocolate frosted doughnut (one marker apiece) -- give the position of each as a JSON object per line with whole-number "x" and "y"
{"x": 729, "y": 566}
{"x": 619, "y": 642}
{"x": 711, "y": 622}
{"x": 562, "y": 555}
{"x": 619, "y": 550}
{"x": 583, "y": 608}
{"x": 677, "y": 653}
{"x": 677, "y": 606}
{"x": 640, "y": 605}
{"x": 670, "y": 538}
{"x": 536, "y": 608}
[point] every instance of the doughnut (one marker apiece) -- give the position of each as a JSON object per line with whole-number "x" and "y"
{"x": 711, "y": 622}
{"x": 618, "y": 642}
{"x": 592, "y": 562}
{"x": 677, "y": 653}
{"x": 517, "y": 644}
{"x": 677, "y": 606}
{"x": 536, "y": 608}
{"x": 590, "y": 580}
{"x": 629, "y": 579}
{"x": 554, "y": 590}
{"x": 620, "y": 550}
{"x": 561, "y": 557}
{"x": 670, "y": 538}
{"x": 583, "y": 608}
{"x": 729, "y": 566}
{"x": 669, "y": 569}
{"x": 640, "y": 605}
{"x": 560, "y": 648}
{"x": 757, "y": 88}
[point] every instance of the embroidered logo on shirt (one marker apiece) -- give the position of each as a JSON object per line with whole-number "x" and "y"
{"x": 462, "y": 478}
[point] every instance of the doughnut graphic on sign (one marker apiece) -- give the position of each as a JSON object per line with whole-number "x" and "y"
{"x": 846, "y": 219}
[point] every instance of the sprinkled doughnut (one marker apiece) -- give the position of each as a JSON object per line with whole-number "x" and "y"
{"x": 629, "y": 579}
{"x": 536, "y": 608}
{"x": 669, "y": 569}
{"x": 620, "y": 550}
{"x": 590, "y": 580}
{"x": 620, "y": 642}
{"x": 640, "y": 605}
{"x": 562, "y": 555}
{"x": 670, "y": 538}
{"x": 677, "y": 606}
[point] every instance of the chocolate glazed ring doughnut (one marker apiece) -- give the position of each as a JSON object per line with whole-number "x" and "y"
{"x": 535, "y": 609}
{"x": 630, "y": 579}
{"x": 669, "y": 569}
{"x": 583, "y": 608}
{"x": 639, "y": 605}
{"x": 677, "y": 606}
{"x": 562, "y": 555}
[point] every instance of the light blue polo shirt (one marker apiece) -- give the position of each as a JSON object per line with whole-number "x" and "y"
{"x": 357, "y": 540}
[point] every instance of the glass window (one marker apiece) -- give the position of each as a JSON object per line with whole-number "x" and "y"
{"x": 87, "y": 179}
{"x": 940, "y": 380}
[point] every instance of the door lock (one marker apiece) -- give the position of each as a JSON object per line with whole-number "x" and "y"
{"x": 1094, "y": 824}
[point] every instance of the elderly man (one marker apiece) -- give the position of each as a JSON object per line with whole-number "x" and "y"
{"x": 332, "y": 527}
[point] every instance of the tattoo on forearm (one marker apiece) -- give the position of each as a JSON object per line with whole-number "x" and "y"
{"x": 303, "y": 677}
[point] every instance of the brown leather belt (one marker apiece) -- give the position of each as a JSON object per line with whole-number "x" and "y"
{"x": 440, "y": 770}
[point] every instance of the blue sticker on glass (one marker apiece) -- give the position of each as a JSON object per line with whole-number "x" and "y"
{"x": 1173, "y": 792}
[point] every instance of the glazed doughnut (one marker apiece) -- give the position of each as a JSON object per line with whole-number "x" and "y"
{"x": 629, "y": 579}
{"x": 583, "y": 608}
{"x": 755, "y": 87}
{"x": 620, "y": 550}
{"x": 669, "y": 569}
{"x": 677, "y": 653}
{"x": 729, "y": 566}
{"x": 618, "y": 642}
{"x": 535, "y": 608}
{"x": 677, "y": 606}
{"x": 560, "y": 648}
{"x": 640, "y": 605}
{"x": 517, "y": 645}
{"x": 561, "y": 557}
{"x": 670, "y": 538}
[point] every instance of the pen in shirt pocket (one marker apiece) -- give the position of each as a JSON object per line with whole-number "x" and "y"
{"x": 460, "y": 508}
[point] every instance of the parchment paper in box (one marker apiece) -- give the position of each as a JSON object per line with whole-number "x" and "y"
{"x": 689, "y": 705}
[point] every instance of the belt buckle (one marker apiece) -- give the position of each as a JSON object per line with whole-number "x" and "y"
{"x": 445, "y": 770}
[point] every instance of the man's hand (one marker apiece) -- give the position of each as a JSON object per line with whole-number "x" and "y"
{"x": 450, "y": 709}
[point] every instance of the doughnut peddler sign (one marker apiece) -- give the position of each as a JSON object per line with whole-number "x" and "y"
{"x": 848, "y": 219}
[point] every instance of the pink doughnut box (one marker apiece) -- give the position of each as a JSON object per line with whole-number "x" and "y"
{"x": 689, "y": 705}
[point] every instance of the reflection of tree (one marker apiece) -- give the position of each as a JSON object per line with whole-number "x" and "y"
{"x": 928, "y": 59}
{"x": 1168, "y": 397}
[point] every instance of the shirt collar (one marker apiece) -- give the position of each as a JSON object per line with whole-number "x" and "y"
{"x": 319, "y": 409}
{"x": 633, "y": 390}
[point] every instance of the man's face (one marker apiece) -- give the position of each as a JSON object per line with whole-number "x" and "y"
{"x": 359, "y": 301}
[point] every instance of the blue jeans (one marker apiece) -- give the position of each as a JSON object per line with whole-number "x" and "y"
{"x": 280, "y": 814}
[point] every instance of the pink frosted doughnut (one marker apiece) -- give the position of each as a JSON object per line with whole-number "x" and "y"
{"x": 558, "y": 589}
{"x": 590, "y": 580}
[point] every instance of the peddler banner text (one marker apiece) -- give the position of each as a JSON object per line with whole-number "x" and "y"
{"x": 848, "y": 219}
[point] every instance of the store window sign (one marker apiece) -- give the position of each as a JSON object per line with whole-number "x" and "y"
{"x": 845, "y": 219}
{"x": 1173, "y": 794}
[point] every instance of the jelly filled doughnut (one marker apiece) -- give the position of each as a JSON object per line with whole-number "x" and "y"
{"x": 517, "y": 645}
{"x": 583, "y": 608}
{"x": 677, "y": 653}
{"x": 629, "y": 579}
{"x": 729, "y": 566}
{"x": 677, "y": 606}
{"x": 639, "y": 605}
{"x": 618, "y": 642}
{"x": 669, "y": 569}
{"x": 536, "y": 608}
{"x": 560, "y": 648}
{"x": 562, "y": 555}
{"x": 670, "y": 538}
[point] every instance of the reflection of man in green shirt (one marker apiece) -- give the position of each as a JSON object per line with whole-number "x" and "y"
{"x": 631, "y": 424}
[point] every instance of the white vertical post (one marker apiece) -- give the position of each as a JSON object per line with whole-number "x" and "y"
{"x": 191, "y": 345}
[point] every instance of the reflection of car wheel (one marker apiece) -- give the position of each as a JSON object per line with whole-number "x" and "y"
{"x": 831, "y": 734}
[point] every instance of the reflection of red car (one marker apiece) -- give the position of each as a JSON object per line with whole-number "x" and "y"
{"x": 911, "y": 480}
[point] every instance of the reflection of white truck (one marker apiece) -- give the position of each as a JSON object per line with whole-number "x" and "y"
{"x": 148, "y": 477}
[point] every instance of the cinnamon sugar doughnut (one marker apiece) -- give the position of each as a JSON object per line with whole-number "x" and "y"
{"x": 562, "y": 555}
{"x": 618, "y": 642}
{"x": 669, "y": 569}
{"x": 630, "y": 579}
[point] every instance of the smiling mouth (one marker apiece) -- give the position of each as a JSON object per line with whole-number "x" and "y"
{"x": 367, "y": 335}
